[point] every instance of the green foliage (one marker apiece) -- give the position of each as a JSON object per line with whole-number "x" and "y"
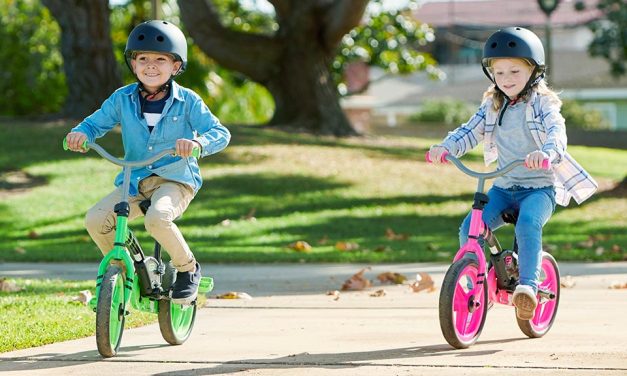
{"x": 390, "y": 40}
{"x": 444, "y": 111}
{"x": 610, "y": 35}
{"x": 578, "y": 116}
{"x": 32, "y": 79}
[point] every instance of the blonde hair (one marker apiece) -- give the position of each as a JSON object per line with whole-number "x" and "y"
{"x": 541, "y": 88}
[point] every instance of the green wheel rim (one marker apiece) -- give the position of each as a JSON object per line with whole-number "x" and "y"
{"x": 117, "y": 311}
{"x": 182, "y": 319}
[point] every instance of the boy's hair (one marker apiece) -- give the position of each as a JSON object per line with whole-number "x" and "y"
{"x": 541, "y": 88}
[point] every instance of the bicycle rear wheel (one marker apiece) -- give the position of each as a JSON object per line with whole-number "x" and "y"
{"x": 546, "y": 310}
{"x": 463, "y": 304}
{"x": 176, "y": 321}
{"x": 110, "y": 312}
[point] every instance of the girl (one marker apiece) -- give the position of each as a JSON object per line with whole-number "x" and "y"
{"x": 520, "y": 119}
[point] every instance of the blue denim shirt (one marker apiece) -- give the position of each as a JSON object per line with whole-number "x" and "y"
{"x": 185, "y": 115}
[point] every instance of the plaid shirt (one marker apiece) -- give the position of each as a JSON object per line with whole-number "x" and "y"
{"x": 548, "y": 131}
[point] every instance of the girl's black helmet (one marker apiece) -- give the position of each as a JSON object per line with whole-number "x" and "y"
{"x": 157, "y": 36}
{"x": 514, "y": 42}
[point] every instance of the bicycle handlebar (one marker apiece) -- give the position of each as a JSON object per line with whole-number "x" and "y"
{"x": 485, "y": 175}
{"x": 120, "y": 162}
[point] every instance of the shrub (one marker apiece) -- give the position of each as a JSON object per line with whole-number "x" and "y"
{"x": 578, "y": 116}
{"x": 448, "y": 111}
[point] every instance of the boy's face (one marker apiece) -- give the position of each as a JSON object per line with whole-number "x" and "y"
{"x": 154, "y": 69}
{"x": 511, "y": 75}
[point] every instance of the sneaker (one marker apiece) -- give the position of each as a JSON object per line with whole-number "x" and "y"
{"x": 185, "y": 288}
{"x": 525, "y": 302}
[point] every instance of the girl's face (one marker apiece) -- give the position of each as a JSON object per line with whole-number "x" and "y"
{"x": 511, "y": 75}
{"x": 154, "y": 69}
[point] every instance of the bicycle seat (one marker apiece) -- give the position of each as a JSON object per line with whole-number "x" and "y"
{"x": 510, "y": 216}
{"x": 144, "y": 205}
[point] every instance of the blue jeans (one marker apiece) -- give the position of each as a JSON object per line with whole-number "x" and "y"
{"x": 535, "y": 206}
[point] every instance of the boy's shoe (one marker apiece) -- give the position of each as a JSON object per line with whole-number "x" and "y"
{"x": 525, "y": 302}
{"x": 185, "y": 288}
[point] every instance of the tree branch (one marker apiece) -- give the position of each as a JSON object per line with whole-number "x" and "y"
{"x": 339, "y": 18}
{"x": 254, "y": 55}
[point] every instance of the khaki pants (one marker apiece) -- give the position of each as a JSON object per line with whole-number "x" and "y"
{"x": 169, "y": 201}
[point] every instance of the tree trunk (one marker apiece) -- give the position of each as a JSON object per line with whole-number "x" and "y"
{"x": 89, "y": 63}
{"x": 294, "y": 64}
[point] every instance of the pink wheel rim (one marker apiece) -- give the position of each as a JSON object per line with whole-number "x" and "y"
{"x": 468, "y": 307}
{"x": 545, "y": 311}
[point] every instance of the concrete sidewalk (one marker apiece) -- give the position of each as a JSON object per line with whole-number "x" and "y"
{"x": 291, "y": 327}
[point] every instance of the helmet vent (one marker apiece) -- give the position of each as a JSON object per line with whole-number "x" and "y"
{"x": 160, "y": 38}
{"x": 493, "y": 45}
{"x": 141, "y": 37}
{"x": 511, "y": 44}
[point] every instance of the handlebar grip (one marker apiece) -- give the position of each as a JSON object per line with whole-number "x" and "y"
{"x": 65, "y": 147}
{"x": 442, "y": 158}
{"x": 546, "y": 164}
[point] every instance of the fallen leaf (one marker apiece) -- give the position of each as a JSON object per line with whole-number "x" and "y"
{"x": 357, "y": 281}
{"x": 423, "y": 282}
{"x": 226, "y": 222}
{"x": 234, "y": 295}
{"x": 618, "y": 285}
{"x": 390, "y": 234}
{"x": 616, "y": 248}
{"x": 323, "y": 240}
{"x": 335, "y": 294}
{"x": 83, "y": 297}
{"x": 33, "y": 234}
{"x": 300, "y": 246}
{"x": 20, "y": 250}
{"x": 251, "y": 215}
{"x": 346, "y": 246}
{"x": 599, "y": 251}
{"x": 378, "y": 293}
{"x": 8, "y": 286}
{"x": 390, "y": 277}
{"x": 383, "y": 248}
{"x": 567, "y": 282}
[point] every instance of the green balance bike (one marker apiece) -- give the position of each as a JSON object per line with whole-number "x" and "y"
{"x": 128, "y": 278}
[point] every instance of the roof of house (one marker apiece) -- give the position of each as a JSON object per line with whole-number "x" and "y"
{"x": 503, "y": 13}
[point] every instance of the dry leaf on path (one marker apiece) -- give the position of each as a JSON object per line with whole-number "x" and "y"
{"x": 567, "y": 282}
{"x": 335, "y": 294}
{"x": 300, "y": 246}
{"x": 234, "y": 295}
{"x": 378, "y": 293}
{"x": 423, "y": 282}
{"x": 395, "y": 278}
{"x": 357, "y": 281}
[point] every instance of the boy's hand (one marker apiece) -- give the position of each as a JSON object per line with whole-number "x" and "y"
{"x": 533, "y": 161}
{"x": 436, "y": 152}
{"x": 184, "y": 147}
{"x": 75, "y": 141}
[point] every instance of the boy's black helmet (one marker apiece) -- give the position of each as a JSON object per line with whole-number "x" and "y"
{"x": 157, "y": 36}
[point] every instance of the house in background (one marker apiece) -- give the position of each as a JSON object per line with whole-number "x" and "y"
{"x": 462, "y": 26}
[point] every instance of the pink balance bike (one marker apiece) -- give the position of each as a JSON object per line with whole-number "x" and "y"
{"x": 467, "y": 294}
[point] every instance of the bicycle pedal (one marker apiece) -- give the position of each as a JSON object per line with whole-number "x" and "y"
{"x": 206, "y": 285}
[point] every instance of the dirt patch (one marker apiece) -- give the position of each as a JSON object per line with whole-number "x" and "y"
{"x": 18, "y": 181}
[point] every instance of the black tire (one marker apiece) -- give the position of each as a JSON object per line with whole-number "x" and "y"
{"x": 546, "y": 312}
{"x": 462, "y": 269}
{"x": 110, "y": 312}
{"x": 176, "y": 321}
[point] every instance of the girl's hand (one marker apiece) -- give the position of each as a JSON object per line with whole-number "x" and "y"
{"x": 184, "y": 147}
{"x": 75, "y": 141}
{"x": 436, "y": 152}
{"x": 533, "y": 160}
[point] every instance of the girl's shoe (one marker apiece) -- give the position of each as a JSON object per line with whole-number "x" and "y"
{"x": 525, "y": 302}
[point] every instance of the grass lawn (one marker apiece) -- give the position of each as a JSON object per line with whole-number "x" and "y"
{"x": 269, "y": 189}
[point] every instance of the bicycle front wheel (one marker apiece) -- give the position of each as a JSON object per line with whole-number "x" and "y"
{"x": 545, "y": 313}
{"x": 176, "y": 321}
{"x": 110, "y": 312}
{"x": 463, "y": 304}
